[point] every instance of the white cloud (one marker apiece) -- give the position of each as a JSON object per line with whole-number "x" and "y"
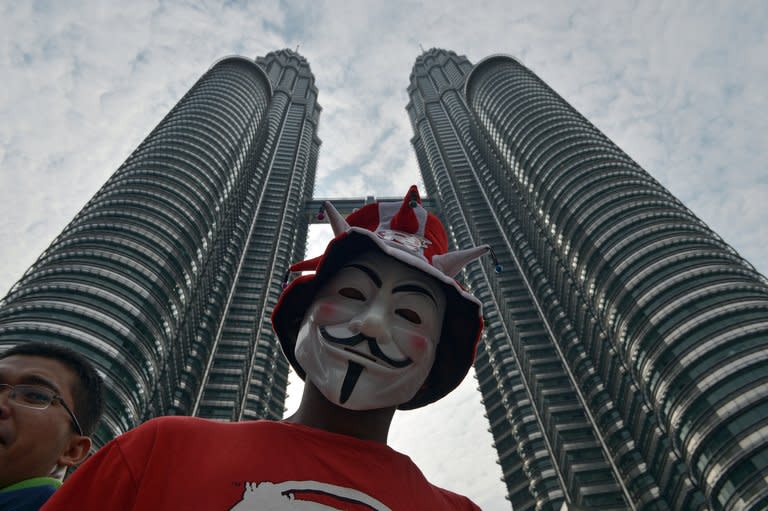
{"x": 83, "y": 86}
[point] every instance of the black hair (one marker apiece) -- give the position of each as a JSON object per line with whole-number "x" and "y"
{"x": 88, "y": 390}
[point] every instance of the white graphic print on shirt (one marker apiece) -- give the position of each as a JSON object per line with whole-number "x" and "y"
{"x": 302, "y": 496}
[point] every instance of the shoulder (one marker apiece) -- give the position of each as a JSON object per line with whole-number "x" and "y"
{"x": 180, "y": 428}
{"x": 176, "y": 439}
{"x": 456, "y": 501}
{"x": 438, "y": 497}
{"x": 177, "y": 424}
{"x": 27, "y": 495}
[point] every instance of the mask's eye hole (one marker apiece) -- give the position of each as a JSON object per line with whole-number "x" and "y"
{"x": 410, "y": 315}
{"x": 352, "y": 293}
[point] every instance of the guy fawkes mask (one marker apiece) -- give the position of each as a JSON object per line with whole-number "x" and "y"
{"x": 369, "y": 338}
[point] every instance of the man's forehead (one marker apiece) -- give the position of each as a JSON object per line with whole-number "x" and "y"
{"x": 37, "y": 369}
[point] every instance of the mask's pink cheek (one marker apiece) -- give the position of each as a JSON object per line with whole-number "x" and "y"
{"x": 418, "y": 344}
{"x": 328, "y": 312}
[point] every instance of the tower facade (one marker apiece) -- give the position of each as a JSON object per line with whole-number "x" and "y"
{"x": 167, "y": 277}
{"x": 622, "y": 365}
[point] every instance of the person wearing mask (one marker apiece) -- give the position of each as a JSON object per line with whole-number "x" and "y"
{"x": 381, "y": 324}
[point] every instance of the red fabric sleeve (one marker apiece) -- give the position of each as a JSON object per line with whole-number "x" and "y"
{"x": 457, "y": 502}
{"x": 473, "y": 506}
{"x": 110, "y": 478}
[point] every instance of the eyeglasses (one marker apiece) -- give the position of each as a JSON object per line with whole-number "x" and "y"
{"x": 39, "y": 398}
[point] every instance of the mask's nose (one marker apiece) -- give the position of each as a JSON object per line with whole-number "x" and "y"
{"x": 372, "y": 323}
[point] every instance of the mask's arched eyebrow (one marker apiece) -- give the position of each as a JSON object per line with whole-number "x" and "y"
{"x": 413, "y": 288}
{"x": 371, "y": 274}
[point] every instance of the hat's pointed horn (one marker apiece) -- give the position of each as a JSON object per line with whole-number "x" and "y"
{"x": 338, "y": 224}
{"x": 405, "y": 219}
{"x": 451, "y": 263}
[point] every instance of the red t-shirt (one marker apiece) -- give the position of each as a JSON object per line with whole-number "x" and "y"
{"x": 189, "y": 463}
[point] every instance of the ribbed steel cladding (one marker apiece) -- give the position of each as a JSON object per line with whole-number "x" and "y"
{"x": 246, "y": 375}
{"x": 301, "y": 156}
{"x": 590, "y": 483}
{"x": 492, "y": 394}
{"x": 444, "y": 153}
{"x": 118, "y": 282}
{"x": 619, "y": 439}
{"x": 221, "y": 243}
{"x": 639, "y": 481}
{"x": 684, "y": 313}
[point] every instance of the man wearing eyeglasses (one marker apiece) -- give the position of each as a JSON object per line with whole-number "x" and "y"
{"x": 50, "y": 402}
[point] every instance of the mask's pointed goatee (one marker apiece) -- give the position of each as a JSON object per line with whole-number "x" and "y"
{"x": 350, "y": 380}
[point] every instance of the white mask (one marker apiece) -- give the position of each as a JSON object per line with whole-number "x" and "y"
{"x": 369, "y": 339}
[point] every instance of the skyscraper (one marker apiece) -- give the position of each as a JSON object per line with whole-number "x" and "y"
{"x": 167, "y": 277}
{"x": 623, "y": 362}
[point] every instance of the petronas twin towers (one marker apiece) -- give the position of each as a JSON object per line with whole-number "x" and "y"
{"x": 623, "y": 365}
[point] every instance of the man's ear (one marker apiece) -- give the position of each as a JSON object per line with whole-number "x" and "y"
{"x": 76, "y": 452}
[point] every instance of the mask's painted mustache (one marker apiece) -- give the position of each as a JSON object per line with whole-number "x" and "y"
{"x": 372, "y": 345}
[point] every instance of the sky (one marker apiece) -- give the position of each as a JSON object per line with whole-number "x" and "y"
{"x": 681, "y": 86}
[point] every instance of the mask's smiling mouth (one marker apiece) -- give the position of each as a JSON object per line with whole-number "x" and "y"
{"x": 361, "y": 354}
{"x": 377, "y": 355}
